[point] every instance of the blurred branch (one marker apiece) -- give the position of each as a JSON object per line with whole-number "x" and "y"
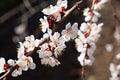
{"x": 10, "y": 13}
{"x": 28, "y": 14}
{"x": 117, "y": 30}
{"x": 116, "y": 19}
{"x": 13, "y": 12}
{"x": 28, "y": 6}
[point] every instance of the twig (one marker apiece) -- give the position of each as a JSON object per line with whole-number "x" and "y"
{"x": 83, "y": 72}
{"x": 4, "y": 77}
{"x": 61, "y": 23}
{"x": 93, "y": 2}
{"x": 28, "y": 6}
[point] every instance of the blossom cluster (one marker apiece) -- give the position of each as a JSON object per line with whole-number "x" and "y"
{"x": 55, "y": 43}
{"x": 53, "y": 14}
{"x": 49, "y": 47}
{"x": 52, "y": 44}
{"x": 24, "y": 62}
{"x": 53, "y": 47}
{"x": 88, "y": 33}
{"x": 85, "y": 44}
{"x": 115, "y": 69}
{"x": 115, "y": 72}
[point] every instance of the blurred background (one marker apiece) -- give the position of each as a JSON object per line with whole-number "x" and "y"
{"x": 20, "y": 18}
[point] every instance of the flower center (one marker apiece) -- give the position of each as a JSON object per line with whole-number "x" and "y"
{"x": 69, "y": 30}
{"x": 6, "y": 66}
{"x": 86, "y": 57}
{"x": 51, "y": 17}
{"x": 96, "y": 1}
{"x": 88, "y": 46}
{"x": 62, "y": 9}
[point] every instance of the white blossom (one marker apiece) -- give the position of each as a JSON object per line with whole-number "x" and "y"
{"x": 85, "y": 48}
{"x": 44, "y": 24}
{"x": 21, "y": 50}
{"x": 51, "y": 49}
{"x": 84, "y": 27}
{"x": 58, "y": 43}
{"x": 85, "y": 61}
{"x": 115, "y": 72}
{"x": 32, "y": 66}
{"x": 30, "y": 43}
{"x": 11, "y": 62}
{"x": 58, "y": 50}
{"x": 70, "y": 31}
{"x": 17, "y": 72}
{"x": 55, "y": 11}
{"x": 85, "y": 42}
{"x": 54, "y": 62}
{"x": 95, "y": 30}
{"x": 81, "y": 58}
{"x": 37, "y": 42}
{"x": 62, "y": 3}
{"x": 92, "y": 29}
{"x": 50, "y": 10}
{"x": 81, "y": 36}
{"x": 2, "y": 63}
{"x": 50, "y": 61}
{"x": 44, "y": 53}
{"x": 91, "y": 48}
{"x": 24, "y": 62}
{"x": 80, "y": 45}
{"x": 91, "y": 15}
{"x": 55, "y": 37}
{"x": 89, "y": 61}
{"x": 46, "y": 35}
